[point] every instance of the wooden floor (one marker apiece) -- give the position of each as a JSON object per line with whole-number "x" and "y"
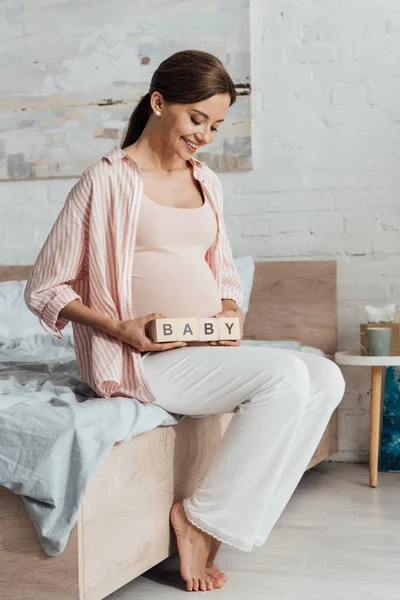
{"x": 337, "y": 539}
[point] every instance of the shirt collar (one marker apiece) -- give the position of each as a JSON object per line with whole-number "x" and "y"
{"x": 117, "y": 154}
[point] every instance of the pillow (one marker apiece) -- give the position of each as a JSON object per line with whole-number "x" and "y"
{"x": 245, "y": 266}
{"x": 16, "y": 320}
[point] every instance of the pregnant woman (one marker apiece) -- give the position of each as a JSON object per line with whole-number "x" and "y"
{"x": 141, "y": 235}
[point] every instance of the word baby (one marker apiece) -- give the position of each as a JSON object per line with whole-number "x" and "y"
{"x": 193, "y": 330}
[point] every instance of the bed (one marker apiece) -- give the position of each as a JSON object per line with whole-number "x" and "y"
{"x": 123, "y": 526}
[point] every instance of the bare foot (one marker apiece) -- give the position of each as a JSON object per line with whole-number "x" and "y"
{"x": 217, "y": 576}
{"x": 194, "y": 548}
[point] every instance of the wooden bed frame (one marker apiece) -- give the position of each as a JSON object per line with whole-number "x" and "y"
{"x": 123, "y": 527}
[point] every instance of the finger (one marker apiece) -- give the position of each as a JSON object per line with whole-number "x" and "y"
{"x": 153, "y": 316}
{"x": 167, "y": 346}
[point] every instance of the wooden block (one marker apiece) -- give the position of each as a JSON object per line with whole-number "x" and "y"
{"x": 193, "y": 329}
{"x": 187, "y": 330}
{"x": 163, "y": 330}
{"x": 208, "y": 330}
{"x": 229, "y": 328}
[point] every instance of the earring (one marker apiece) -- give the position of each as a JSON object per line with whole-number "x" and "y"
{"x": 158, "y": 113}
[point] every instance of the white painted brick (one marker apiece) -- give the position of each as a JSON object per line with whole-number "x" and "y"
{"x": 350, "y": 71}
{"x": 385, "y": 243}
{"x": 19, "y": 256}
{"x": 259, "y": 226}
{"x": 352, "y": 199}
{"x": 9, "y": 215}
{"x": 59, "y": 190}
{"x": 354, "y": 428}
{"x": 23, "y": 192}
{"x": 363, "y": 293}
{"x": 357, "y": 244}
{"x": 328, "y": 178}
{"x": 311, "y": 53}
{"x": 344, "y": 243}
{"x": 366, "y": 269}
{"x": 396, "y": 293}
{"x": 333, "y": 157}
{"x": 300, "y": 201}
{"x": 234, "y": 227}
{"x": 350, "y": 94}
{"x": 30, "y": 215}
{"x": 345, "y": 50}
{"x": 345, "y": 272}
{"x": 355, "y": 400}
{"x": 271, "y": 180}
{"x": 325, "y": 223}
{"x": 245, "y": 204}
{"x": 15, "y": 236}
{"x": 393, "y": 24}
{"x": 346, "y": 455}
{"x": 383, "y": 95}
{"x": 292, "y": 223}
{"x": 274, "y": 246}
{"x": 361, "y": 224}
{"x": 338, "y": 32}
{"x": 390, "y": 221}
{"x": 383, "y": 198}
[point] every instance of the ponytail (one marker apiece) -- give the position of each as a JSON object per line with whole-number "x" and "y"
{"x": 138, "y": 121}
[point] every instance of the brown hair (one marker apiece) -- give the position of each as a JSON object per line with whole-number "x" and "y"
{"x": 183, "y": 78}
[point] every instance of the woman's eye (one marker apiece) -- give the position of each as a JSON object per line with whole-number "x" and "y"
{"x": 198, "y": 123}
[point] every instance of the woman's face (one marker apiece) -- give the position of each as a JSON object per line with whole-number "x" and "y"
{"x": 188, "y": 127}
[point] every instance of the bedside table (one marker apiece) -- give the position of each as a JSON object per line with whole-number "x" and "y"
{"x": 378, "y": 366}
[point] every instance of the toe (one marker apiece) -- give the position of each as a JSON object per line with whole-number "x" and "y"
{"x": 189, "y": 585}
{"x": 195, "y": 585}
{"x": 203, "y": 585}
{"x": 210, "y": 584}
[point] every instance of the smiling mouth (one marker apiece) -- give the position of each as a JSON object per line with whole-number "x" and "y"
{"x": 189, "y": 143}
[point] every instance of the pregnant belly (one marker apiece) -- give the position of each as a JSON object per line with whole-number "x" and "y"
{"x": 177, "y": 287}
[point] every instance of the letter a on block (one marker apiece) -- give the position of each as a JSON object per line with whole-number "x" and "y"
{"x": 163, "y": 330}
{"x": 229, "y": 328}
{"x": 187, "y": 330}
{"x": 208, "y": 330}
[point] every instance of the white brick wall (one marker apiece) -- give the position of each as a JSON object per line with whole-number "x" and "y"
{"x": 326, "y": 180}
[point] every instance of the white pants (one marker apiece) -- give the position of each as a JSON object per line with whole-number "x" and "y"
{"x": 282, "y": 400}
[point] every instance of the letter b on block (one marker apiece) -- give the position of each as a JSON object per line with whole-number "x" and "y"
{"x": 163, "y": 330}
{"x": 208, "y": 330}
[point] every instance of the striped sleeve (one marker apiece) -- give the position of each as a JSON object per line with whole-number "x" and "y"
{"x": 231, "y": 286}
{"x": 60, "y": 262}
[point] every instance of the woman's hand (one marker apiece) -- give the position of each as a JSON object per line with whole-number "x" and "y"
{"x": 133, "y": 332}
{"x": 231, "y": 312}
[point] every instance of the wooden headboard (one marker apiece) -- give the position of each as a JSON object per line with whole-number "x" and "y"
{"x": 290, "y": 300}
{"x": 294, "y": 300}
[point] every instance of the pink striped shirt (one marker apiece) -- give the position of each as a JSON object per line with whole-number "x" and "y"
{"x": 88, "y": 256}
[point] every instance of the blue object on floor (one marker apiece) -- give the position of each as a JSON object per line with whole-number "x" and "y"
{"x": 389, "y": 459}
